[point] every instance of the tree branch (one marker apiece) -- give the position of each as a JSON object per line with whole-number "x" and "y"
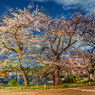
{"x": 67, "y": 47}
{"x": 9, "y": 48}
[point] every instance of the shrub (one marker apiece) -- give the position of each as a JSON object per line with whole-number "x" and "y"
{"x": 61, "y": 76}
{"x": 85, "y": 75}
{"x": 70, "y": 79}
{"x": 12, "y": 82}
{"x": 76, "y": 78}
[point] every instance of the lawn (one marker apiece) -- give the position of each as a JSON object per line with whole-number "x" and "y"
{"x": 65, "y": 85}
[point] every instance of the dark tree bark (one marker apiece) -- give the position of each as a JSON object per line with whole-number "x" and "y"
{"x": 57, "y": 82}
{"x": 25, "y": 79}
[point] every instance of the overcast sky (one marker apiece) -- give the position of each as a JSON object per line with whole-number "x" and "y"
{"x": 55, "y": 8}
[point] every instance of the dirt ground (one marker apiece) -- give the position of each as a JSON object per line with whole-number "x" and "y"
{"x": 90, "y": 90}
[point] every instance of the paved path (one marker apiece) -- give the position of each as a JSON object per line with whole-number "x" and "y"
{"x": 90, "y": 90}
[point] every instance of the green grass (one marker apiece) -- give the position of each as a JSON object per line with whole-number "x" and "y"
{"x": 21, "y": 87}
{"x": 64, "y": 85}
{"x": 84, "y": 79}
{"x": 71, "y": 85}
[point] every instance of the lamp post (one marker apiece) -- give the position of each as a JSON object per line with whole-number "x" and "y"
{"x": 18, "y": 79}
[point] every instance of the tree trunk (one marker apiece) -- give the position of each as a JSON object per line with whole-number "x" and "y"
{"x": 53, "y": 77}
{"x": 22, "y": 70}
{"x": 90, "y": 78}
{"x": 56, "y": 72}
{"x": 25, "y": 79}
{"x": 57, "y": 82}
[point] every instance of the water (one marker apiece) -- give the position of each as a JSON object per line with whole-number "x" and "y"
{"x": 20, "y": 81}
{"x": 4, "y": 81}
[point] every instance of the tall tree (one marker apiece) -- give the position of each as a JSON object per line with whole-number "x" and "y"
{"x": 59, "y": 37}
{"x": 16, "y": 35}
{"x": 89, "y": 39}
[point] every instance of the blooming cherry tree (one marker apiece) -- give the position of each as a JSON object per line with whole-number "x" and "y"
{"x": 59, "y": 37}
{"x": 16, "y": 35}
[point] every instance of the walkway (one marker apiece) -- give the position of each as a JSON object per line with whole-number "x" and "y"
{"x": 90, "y": 90}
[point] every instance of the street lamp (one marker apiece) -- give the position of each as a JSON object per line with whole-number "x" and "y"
{"x": 18, "y": 79}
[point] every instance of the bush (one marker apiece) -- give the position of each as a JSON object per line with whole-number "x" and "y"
{"x": 76, "y": 78}
{"x": 12, "y": 82}
{"x": 70, "y": 79}
{"x": 85, "y": 75}
{"x": 61, "y": 76}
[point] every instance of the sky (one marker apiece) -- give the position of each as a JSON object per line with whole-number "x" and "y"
{"x": 55, "y": 8}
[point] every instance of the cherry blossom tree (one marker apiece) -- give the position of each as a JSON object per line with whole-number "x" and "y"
{"x": 16, "y": 36}
{"x": 89, "y": 41}
{"x": 59, "y": 37}
{"x": 89, "y": 38}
